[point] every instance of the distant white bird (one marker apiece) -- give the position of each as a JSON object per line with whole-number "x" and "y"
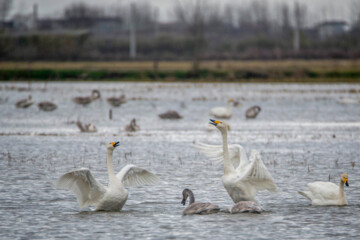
{"x": 222, "y": 112}
{"x": 95, "y": 94}
{"x": 132, "y": 127}
{"x": 89, "y": 192}
{"x": 197, "y": 207}
{"x": 242, "y": 179}
{"x": 327, "y": 193}
{"x": 349, "y": 100}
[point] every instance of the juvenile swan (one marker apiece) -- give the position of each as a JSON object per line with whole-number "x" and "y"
{"x": 197, "y": 207}
{"x": 327, "y": 193}
{"x": 222, "y": 112}
{"x": 89, "y": 192}
{"x": 242, "y": 179}
{"x": 246, "y": 207}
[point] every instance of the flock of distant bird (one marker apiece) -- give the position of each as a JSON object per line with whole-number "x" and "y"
{"x": 242, "y": 178}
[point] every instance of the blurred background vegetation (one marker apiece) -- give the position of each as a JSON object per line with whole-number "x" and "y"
{"x": 200, "y": 31}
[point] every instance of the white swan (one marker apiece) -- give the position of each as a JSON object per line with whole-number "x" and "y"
{"x": 197, "y": 207}
{"x": 222, "y": 112}
{"x": 89, "y": 192}
{"x": 327, "y": 193}
{"x": 242, "y": 179}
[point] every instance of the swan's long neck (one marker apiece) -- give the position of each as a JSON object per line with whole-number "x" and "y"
{"x": 341, "y": 192}
{"x": 227, "y": 163}
{"x": 191, "y": 197}
{"x": 109, "y": 164}
{"x": 228, "y": 105}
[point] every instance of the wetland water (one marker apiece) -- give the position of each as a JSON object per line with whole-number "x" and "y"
{"x": 303, "y": 133}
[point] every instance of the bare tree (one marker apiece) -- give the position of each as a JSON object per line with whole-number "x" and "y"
{"x": 285, "y": 19}
{"x": 5, "y": 7}
{"x": 82, "y": 15}
{"x": 192, "y": 14}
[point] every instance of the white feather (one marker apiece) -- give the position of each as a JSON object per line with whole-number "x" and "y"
{"x": 87, "y": 189}
{"x": 130, "y": 175}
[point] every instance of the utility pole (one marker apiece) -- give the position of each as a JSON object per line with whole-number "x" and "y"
{"x": 132, "y": 31}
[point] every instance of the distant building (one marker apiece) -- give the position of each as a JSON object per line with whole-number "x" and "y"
{"x": 331, "y": 29}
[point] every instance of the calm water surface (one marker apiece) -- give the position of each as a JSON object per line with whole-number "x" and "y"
{"x": 303, "y": 133}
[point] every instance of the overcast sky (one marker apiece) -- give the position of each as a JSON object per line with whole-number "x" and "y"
{"x": 319, "y": 9}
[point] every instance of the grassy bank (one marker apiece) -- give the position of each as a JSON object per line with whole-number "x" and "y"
{"x": 282, "y": 71}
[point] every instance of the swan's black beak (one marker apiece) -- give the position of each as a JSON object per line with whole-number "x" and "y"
{"x": 346, "y": 182}
{"x": 183, "y": 201}
{"x": 116, "y": 144}
{"x": 214, "y": 122}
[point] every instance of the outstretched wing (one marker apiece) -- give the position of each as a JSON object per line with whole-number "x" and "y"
{"x": 257, "y": 174}
{"x": 215, "y": 152}
{"x": 81, "y": 182}
{"x": 132, "y": 175}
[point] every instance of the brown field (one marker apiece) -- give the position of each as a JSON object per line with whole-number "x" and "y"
{"x": 318, "y": 65}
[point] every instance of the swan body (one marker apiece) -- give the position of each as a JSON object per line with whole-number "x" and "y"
{"x": 117, "y": 101}
{"x": 25, "y": 103}
{"x": 252, "y": 112}
{"x": 95, "y": 94}
{"x": 246, "y": 207}
{"x": 197, "y": 207}
{"x": 327, "y": 193}
{"x": 90, "y": 192}
{"x": 170, "y": 115}
{"x": 222, "y": 112}
{"x": 242, "y": 179}
{"x": 47, "y": 106}
{"x": 89, "y": 127}
{"x": 349, "y": 101}
{"x": 132, "y": 127}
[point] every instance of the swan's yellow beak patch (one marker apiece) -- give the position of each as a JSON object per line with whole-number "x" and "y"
{"x": 346, "y": 182}
{"x": 115, "y": 144}
{"x": 214, "y": 122}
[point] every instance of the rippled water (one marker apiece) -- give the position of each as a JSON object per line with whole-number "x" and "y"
{"x": 303, "y": 133}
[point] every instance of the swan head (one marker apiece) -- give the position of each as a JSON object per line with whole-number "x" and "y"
{"x": 222, "y": 126}
{"x": 345, "y": 179}
{"x": 111, "y": 146}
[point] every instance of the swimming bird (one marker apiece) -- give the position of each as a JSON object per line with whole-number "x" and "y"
{"x": 89, "y": 127}
{"x": 47, "y": 106}
{"x": 90, "y": 192}
{"x": 246, "y": 207}
{"x": 197, "y": 207}
{"x": 242, "y": 179}
{"x": 222, "y": 112}
{"x": 252, "y": 112}
{"x": 132, "y": 127}
{"x": 327, "y": 193}
{"x": 116, "y": 101}
{"x": 25, "y": 103}
{"x": 95, "y": 94}
{"x": 170, "y": 115}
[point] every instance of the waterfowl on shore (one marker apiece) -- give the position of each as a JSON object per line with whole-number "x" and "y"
{"x": 246, "y": 207}
{"x": 197, "y": 207}
{"x": 47, "y": 106}
{"x": 25, "y": 103}
{"x": 90, "y": 192}
{"x": 132, "y": 127}
{"x": 242, "y": 179}
{"x": 252, "y": 112}
{"x": 170, "y": 115}
{"x": 117, "y": 101}
{"x": 95, "y": 94}
{"x": 327, "y": 193}
{"x": 89, "y": 127}
{"x": 222, "y": 112}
